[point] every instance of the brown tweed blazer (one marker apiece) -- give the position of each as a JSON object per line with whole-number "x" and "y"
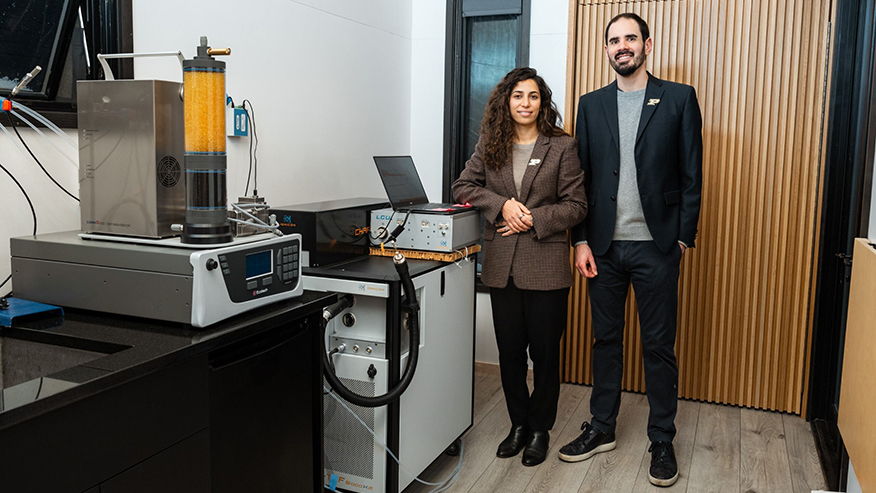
{"x": 553, "y": 190}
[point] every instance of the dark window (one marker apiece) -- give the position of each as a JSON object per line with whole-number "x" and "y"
{"x": 491, "y": 53}
{"x": 63, "y": 37}
{"x": 34, "y": 33}
{"x": 485, "y": 40}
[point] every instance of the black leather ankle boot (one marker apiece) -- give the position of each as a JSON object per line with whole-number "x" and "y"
{"x": 514, "y": 442}
{"x": 536, "y": 448}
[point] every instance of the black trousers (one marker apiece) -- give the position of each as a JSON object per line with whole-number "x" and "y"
{"x": 535, "y": 320}
{"x": 654, "y": 275}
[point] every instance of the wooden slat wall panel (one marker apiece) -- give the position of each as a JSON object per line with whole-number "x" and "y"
{"x": 745, "y": 294}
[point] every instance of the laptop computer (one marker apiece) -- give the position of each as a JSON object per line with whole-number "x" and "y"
{"x": 404, "y": 188}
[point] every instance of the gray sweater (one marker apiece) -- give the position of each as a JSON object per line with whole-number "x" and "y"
{"x": 629, "y": 223}
{"x": 520, "y": 155}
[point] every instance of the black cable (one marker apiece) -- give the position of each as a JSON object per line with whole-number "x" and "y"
{"x": 248, "y": 173}
{"x": 39, "y": 389}
{"x": 254, "y": 153}
{"x": 4, "y": 283}
{"x": 399, "y": 229}
{"x": 332, "y": 363}
{"x": 14, "y": 128}
{"x": 32, "y": 211}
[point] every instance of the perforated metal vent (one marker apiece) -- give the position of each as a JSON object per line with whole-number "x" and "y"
{"x": 349, "y": 448}
{"x": 169, "y": 171}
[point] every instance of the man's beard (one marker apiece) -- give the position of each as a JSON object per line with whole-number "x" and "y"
{"x": 630, "y": 67}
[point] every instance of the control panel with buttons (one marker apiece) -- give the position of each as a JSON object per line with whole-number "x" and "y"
{"x": 430, "y": 232}
{"x": 269, "y": 269}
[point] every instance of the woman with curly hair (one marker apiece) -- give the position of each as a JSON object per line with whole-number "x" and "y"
{"x": 526, "y": 180}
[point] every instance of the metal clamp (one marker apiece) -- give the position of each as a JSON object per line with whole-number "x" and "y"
{"x": 108, "y": 73}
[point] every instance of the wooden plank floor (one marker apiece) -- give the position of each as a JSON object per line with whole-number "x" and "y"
{"x": 719, "y": 449}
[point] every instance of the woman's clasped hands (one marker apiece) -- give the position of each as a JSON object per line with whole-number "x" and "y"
{"x": 516, "y": 218}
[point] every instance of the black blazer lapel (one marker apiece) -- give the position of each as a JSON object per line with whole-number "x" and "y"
{"x": 536, "y": 161}
{"x": 653, "y": 94}
{"x": 609, "y": 105}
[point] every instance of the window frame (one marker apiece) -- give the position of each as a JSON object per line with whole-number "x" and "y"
{"x": 108, "y": 29}
{"x": 455, "y": 71}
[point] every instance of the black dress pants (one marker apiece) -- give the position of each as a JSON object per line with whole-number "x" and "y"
{"x": 535, "y": 320}
{"x": 654, "y": 275}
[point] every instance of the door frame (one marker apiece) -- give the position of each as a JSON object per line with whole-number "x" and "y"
{"x": 847, "y": 183}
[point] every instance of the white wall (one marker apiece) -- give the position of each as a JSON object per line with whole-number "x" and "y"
{"x": 427, "y": 93}
{"x": 55, "y": 210}
{"x": 329, "y": 81}
{"x": 853, "y": 485}
{"x": 547, "y": 45}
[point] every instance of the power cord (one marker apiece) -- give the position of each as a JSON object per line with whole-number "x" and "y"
{"x": 32, "y": 211}
{"x": 15, "y": 129}
{"x": 464, "y": 258}
{"x": 253, "y": 154}
{"x": 398, "y": 229}
{"x": 39, "y": 389}
{"x": 333, "y": 352}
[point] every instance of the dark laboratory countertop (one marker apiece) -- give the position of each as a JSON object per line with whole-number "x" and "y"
{"x": 373, "y": 268}
{"x": 136, "y": 347}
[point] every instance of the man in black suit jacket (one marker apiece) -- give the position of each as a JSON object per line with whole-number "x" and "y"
{"x": 640, "y": 145}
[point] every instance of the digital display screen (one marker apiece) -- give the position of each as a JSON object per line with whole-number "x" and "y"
{"x": 258, "y": 264}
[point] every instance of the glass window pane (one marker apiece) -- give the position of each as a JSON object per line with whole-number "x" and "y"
{"x": 492, "y": 53}
{"x": 29, "y": 35}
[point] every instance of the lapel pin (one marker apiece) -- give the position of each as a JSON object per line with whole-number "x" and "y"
{"x": 653, "y": 102}
{"x": 533, "y": 162}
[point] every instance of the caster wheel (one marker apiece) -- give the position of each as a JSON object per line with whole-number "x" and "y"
{"x": 453, "y": 449}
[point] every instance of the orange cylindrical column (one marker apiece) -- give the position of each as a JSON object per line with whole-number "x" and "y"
{"x": 206, "y": 196}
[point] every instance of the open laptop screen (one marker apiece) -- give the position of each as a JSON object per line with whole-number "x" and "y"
{"x": 401, "y": 181}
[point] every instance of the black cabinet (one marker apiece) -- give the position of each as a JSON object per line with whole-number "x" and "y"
{"x": 237, "y": 407}
{"x": 266, "y": 412}
{"x": 84, "y": 443}
{"x": 183, "y": 468}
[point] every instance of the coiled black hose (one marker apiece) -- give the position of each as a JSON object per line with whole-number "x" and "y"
{"x": 410, "y": 303}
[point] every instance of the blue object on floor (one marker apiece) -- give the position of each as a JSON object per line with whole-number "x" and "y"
{"x": 20, "y": 308}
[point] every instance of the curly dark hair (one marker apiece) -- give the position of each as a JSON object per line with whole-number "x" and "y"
{"x": 497, "y": 127}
